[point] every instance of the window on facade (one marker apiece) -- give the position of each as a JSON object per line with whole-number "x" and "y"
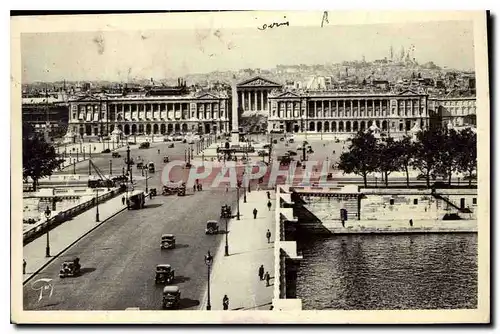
{"x": 415, "y": 201}
{"x": 474, "y": 201}
{"x": 74, "y": 115}
{"x": 391, "y": 201}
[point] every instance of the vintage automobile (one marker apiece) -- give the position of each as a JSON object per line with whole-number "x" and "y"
{"x": 166, "y": 159}
{"x": 182, "y": 190}
{"x": 164, "y": 274}
{"x": 151, "y": 167}
{"x": 167, "y": 241}
{"x": 115, "y": 155}
{"x": 140, "y": 165}
{"x": 70, "y": 268}
{"x": 212, "y": 227}
{"x": 171, "y": 297}
{"x": 172, "y": 145}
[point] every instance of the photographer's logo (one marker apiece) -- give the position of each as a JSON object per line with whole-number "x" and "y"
{"x": 45, "y": 286}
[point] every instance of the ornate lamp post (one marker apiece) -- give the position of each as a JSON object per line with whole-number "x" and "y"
{"x": 208, "y": 262}
{"x": 146, "y": 181}
{"x": 110, "y": 167}
{"x": 47, "y": 247}
{"x": 97, "y": 205}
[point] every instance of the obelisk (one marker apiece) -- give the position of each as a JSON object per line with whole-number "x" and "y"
{"x": 235, "y": 132}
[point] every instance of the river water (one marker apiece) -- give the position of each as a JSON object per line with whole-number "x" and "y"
{"x": 377, "y": 272}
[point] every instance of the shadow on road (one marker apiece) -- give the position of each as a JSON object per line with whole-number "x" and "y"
{"x": 187, "y": 303}
{"x": 151, "y": 206}
{"x": 181, "y": 279}
{"x": 253, "y": 250}
{"x": 86, "y": 270}
{"x": 181, "y": 246}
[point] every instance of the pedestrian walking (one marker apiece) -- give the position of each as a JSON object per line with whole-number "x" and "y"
{"x": 254, "y": 213}
{"x": 268, "y": 236}
{"x": 24, "y": 267}
{"x": 268, "y": 195}
{"x": 269, "y": 205}
{"x": 194, "y": 187}
{"x": 123, "y": 200}
{"x": 261, "y": 272}
{"x": 227, "y": 188}
{"x": 158, "y": 151}
{"x": 199, "y": 186}
{"x": 411, "y": 222}
{"x": 225, "y": 302}
{"x": 267, "y": 278}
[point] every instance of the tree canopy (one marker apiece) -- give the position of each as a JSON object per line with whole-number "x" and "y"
{"x": 39, "y": 157}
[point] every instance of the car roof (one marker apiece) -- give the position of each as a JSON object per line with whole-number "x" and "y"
{"x": 167, "y": 235}
{"x": 171, "y": 288}
{"x": 212, "y": 222}
{"x": 163, "y": 266}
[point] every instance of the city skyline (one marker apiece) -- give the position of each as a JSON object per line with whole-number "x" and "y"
{"x": 158, "y": 54}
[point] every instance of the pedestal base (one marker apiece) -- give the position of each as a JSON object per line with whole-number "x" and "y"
{"x": 235, "y": 139}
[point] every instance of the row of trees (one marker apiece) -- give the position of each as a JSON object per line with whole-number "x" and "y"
{"x": 434, "y": 153}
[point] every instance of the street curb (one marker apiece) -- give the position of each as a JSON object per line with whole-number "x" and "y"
{"x": 70, "y": 245}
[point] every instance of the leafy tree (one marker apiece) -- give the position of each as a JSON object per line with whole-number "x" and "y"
{"x": 39, "y": 157}
{"x": 361, "y": 156}
{"x": 447, "y": 155}
{"x": 427, "y": 156}
{"x": 387, "y": 162}
{"x": 405, "y": 153}
{"x": 467, "y": 153}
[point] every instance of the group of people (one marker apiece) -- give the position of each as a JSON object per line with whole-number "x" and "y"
{"x": 264, "y": 276}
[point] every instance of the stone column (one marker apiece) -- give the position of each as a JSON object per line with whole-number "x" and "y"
{"x": 235, "y": 137}
{"x": 262, "y": 106}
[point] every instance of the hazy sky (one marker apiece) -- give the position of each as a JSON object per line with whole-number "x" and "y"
{"x": 158, "y": 54}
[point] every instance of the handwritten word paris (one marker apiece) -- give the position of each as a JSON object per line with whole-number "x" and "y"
{"x": 274, "y": 25}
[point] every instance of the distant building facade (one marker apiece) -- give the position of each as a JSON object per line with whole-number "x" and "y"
{"x": 253, "y": 95}
{"x": 453, "y": 112}
{"x": 46, "y": 113}
{"x": 344, "y": 112}
{"x": 149, "y": 114}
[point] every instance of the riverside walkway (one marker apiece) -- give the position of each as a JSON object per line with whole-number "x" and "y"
{"x": 236, "y": 275}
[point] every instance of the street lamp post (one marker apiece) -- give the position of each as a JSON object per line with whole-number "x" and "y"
{"x": 110, "y": 167}
{"x": 226, "y": 214}
{"x": 74, "y": 166}
{"x": 146, "y": 181}
{"x": 129, "y": 171}
{"x": 83, "y": 153}
{"x": 47, "y": 247}
{"x": 238, "y": 203}
{"x": 208, "y": 262}
{"x": 97, "y": 205}
{"x": 77, "y": 154}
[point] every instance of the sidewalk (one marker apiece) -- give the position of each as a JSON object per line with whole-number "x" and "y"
{"x": 65, "y": 234}
{"x": 236, "y": 275}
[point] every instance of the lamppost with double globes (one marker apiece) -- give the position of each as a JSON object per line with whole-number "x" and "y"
{"x": 208, "y": 262}
{"x": 47, "y": 248}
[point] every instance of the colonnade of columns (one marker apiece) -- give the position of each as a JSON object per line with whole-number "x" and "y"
{"x": 253, "y": 100}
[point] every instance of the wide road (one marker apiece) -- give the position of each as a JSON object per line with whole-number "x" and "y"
{"x": 119, "y": 258}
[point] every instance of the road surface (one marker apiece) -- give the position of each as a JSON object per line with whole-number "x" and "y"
{"x": 119, "y": 258}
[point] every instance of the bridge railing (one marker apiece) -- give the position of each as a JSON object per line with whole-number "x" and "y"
{"x": 46, "y": 225}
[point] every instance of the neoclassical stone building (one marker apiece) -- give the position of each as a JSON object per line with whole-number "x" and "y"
{"x": 453, "y": 111}
{"x": 346, "y": 112}
{"x": 140, "y": 114}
